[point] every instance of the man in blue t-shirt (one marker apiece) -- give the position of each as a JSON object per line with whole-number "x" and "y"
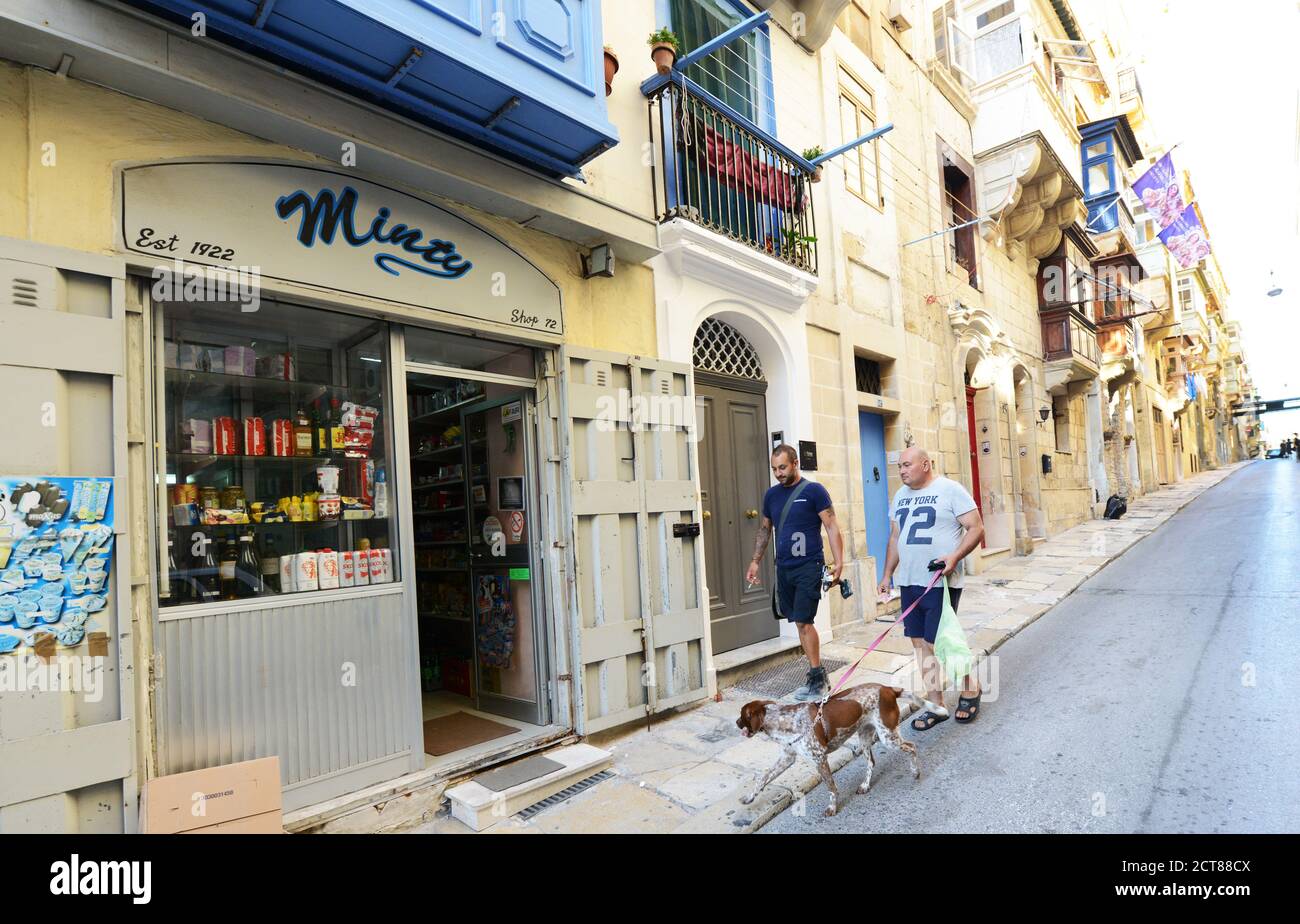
{"x": 800, "y": 508}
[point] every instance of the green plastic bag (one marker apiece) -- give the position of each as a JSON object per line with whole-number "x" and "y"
{"x": 955, "y": 657}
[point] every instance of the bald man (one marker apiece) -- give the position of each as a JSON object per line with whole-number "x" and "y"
{"x": 929, "y": 515}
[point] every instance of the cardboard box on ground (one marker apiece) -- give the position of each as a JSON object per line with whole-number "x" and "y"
{"x": 242, "y": 798}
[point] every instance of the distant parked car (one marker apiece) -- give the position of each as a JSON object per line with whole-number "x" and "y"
{"x": 1273, "y": 453}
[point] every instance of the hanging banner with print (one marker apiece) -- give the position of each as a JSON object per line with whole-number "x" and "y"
{"x": 1159, "y": 192}
{"x": 1186, "y": 239}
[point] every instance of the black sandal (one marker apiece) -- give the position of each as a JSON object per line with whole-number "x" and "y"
{"x": 971, "y": 705}
{"x": 930, "y": 719}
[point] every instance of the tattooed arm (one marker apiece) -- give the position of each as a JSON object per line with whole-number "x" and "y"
{"x": 761, "y": 539}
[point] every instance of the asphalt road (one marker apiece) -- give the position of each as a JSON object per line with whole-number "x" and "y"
{"x": 1161, "y": 696}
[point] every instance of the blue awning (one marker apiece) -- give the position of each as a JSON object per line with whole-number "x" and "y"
{"x": 529, "y": 88}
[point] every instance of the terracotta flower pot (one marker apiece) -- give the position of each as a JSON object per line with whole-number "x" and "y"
{"x": 611, "y": 68}
{"x": 817, "y": 175}
{"x": 663, "y": 54}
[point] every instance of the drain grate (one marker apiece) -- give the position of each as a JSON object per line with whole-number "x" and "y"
{"x": 784, "y": 679}
{"x": 563, "y": 795}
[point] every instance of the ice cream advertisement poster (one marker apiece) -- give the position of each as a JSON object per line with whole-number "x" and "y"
{"x": 1186, "y": 239}
{"x": 56, "y": 544}
{"x": 1159, "y": 192}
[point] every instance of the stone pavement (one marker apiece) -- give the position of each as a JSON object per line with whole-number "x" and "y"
{"x": 686, "y": 773}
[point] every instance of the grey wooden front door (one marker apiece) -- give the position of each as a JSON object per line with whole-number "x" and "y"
{"x": 734, "y": 474}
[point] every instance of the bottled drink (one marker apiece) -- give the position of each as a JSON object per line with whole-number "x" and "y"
{"x": 336, "y": 426}
{"x": 229, "y": 559}
{"x": 270, "y": 567}
{"x": 320, "y": 440}
{"x": 302, "y": 434}
{"x": 206, "y": 578}
{"x": 248, "y": 569}
{"x": 178, "y": 588}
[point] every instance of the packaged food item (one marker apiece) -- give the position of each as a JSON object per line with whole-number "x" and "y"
{"x": 225, "y": 441}
{"x": 196, "y": 436}
{"x": 328, "y": 507}
{"x": 282, "y": 438}
{"x": 209, "y": 498}
{"x": 307, "y": 571}
{"x": 254, "y": 436}
{"x": 218, "y": 516}
{"x": 185, "y": 514}
{"x": 362, "y": 561}
{"x": 232, "y": 498}
{"x": 377, "y": 574}
{"x": 347, "y": 569}
{"x": 240, "y": 360}
{"x": 328, "y": 478}
{"x": 328, "y": 563}
{"x": 288, "y": 574}
{"x": 310, "y": 510}
{"x": 278, "y": 366}
{"x": 212, "y": 359}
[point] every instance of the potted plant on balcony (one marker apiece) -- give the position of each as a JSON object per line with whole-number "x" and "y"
{"x": 811, "y": 153}
{"x": 611, "y": 68}
{"x": 664, "y": 49}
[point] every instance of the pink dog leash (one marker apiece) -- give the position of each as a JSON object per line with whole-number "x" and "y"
{"x": 879, "y": 638}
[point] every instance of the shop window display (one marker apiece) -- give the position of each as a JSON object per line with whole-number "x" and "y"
{"x": 277, "y": 447}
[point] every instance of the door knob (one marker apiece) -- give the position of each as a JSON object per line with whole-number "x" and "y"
{"x": 751, "y": 514}
{"x": 707, "y": 514}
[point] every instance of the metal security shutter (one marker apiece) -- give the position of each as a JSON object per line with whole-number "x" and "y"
{"x": 69, "y": 762}
{"x": 637, "y": 604}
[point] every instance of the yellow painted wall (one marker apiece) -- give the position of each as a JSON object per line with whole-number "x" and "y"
{"x": 59, "y": 140}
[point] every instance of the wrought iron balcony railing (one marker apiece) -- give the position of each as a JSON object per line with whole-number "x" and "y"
{"x": 714, "y": 171}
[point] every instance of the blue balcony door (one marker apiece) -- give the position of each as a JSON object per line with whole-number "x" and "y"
{"x": 875, "y": 487}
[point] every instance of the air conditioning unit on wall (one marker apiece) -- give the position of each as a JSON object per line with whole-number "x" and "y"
{"x": 898, "y": 16}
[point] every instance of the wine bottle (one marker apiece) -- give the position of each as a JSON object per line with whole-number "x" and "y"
{"x": 248, "y": 569}
{"x": 336, "y": 426}
{"x": 229, "y": 559}
{"x": 320, "y": 441}
{"x": 206, "y": 572}
{"x": 270, "y": 567}
{"x": 178, "y": 588}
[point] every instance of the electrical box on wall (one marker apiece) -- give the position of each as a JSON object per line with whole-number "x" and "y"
{"x": 898, "y": 15}
{"x": 808, "y": 455}
{"x": 1047, "y": 464}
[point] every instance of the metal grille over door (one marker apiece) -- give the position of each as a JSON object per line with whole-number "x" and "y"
{"x": 721, "y": 348}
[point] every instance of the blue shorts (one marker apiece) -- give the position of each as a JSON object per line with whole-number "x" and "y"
{"x": 923, "y": 622}
{"x": 798, "y": 591}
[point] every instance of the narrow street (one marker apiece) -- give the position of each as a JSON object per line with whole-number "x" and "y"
{"x": 1159, "y": 697}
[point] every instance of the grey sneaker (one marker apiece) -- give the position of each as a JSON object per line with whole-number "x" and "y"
{"x": 814, "y": 688}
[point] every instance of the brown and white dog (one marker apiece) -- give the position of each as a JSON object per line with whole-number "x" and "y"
{"x": 869, "y": 711}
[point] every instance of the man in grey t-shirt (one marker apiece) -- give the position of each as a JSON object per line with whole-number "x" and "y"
{"x": 932, "y": 518}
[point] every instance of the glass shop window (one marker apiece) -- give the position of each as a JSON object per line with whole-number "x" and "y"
{"x": 277, "y": 440}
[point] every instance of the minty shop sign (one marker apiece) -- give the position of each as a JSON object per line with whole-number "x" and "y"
{"x": 329, "y": 229}
{"x": 325, "y": 215}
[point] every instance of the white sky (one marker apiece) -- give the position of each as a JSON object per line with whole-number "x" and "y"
{"x": 1223, "y": 79}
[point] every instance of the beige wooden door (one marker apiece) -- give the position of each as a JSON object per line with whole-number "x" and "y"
{"x": 637, "y": 609}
